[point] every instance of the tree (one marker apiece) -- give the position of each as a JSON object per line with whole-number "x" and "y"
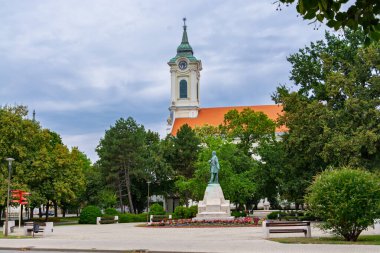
{"x": 57, "y": 175}
{"x": 43, "y": 165}
{"x": 120, "y": 155}
{"x": 333, "y": 118}
{"x": 347, "y": 200}
{"x": 185, "y": 151}
{"x": 159, "y": 171}
{"x": 363, "y": 14}
{"x": 269, "y": 172}
{"x": 249, "y": 128}
{"x": 19, "y": 139}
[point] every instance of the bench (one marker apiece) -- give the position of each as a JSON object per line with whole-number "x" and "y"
{"x": 11, "y": 226}
{"x": 107, "y": 220}
{"x": 160, "y": 218}
{"x": 32, "y": 228}
{"x": 287, "y": 227}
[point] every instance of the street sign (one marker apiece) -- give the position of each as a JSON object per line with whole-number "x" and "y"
{"x": 19, "y": 196}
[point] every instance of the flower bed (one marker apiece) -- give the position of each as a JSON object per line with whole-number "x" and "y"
{"x": 237, "y": 222}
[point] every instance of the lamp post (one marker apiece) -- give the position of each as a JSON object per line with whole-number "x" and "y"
{"x": 148, "y": 201}
{"x": 10, "y": 160}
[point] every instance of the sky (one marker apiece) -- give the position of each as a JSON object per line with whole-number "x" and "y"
{"x": 81, "y": 65}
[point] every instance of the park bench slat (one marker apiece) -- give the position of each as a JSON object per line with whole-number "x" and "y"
{"x": 286, "y": 227}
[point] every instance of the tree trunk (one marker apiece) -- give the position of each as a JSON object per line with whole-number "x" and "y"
{"x": 121, "y": 197}
{"x": 47, "y": 211}
{"x": 39, "y": 212}
{"x": 128, "y": 185}
{"x": 55, "y": 209}
{"x": 63, "y": 211}
{"x": 31, "y": 209}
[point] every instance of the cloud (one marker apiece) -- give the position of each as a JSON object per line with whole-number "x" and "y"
{"x": 83, "y": 64}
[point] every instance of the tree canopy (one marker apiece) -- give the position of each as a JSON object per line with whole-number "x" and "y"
{"x": 347, "y": 200}
{"x": 358, "y": 14}
{"x": 43, "y": 164}
{"x": 248, "y": 128}
{"x": 333, "y": 118}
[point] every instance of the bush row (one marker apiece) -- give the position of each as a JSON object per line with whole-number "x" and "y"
{"x": 292, "y": 215}
{"x": 130, "y": 217}
{"x": 89, "y": 214}
{"x": 238, "y": 214}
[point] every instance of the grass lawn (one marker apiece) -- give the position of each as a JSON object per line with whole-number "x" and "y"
{"x": 363, "y": 240}
{"x": 13, "y": 236}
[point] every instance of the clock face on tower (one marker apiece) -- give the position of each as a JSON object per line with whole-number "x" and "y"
{"x": 182, "y": 65}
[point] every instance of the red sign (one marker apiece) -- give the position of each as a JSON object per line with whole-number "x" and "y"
{"x": 19, "y": 197}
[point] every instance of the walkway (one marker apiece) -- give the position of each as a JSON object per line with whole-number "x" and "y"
{"x": 129, "y": 237}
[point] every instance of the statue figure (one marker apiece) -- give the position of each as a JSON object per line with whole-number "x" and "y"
{"x": 214, "y": 169}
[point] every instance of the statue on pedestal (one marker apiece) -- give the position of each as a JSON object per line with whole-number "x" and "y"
{"x": 214, "y": 169}
{"x": 214, "y": 206}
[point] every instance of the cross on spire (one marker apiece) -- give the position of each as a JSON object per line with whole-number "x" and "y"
{"x": 184, "y": 23}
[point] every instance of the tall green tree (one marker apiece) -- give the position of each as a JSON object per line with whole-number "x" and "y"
{"x": 160, "y": 173}
{"x": 185, "y": 151}
{"x": 120, "y": 153}
{"x": 43, "y": 165}
{"x": 333, "y": 118}
{"x": 248, "y": 128}
{"x": 269, "y": 173}
{"x": 19, "y": 139}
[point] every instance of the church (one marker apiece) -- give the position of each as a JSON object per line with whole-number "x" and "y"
{"x": 185, "y": 107}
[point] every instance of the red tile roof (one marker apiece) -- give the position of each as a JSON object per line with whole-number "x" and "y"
{"x": 214, "y": 116}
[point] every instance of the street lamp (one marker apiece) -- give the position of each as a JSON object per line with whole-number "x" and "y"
{"x": 10, "y": 160}
{"x": 148, "y": 201}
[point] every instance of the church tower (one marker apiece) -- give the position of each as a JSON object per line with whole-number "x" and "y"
{"x": 185, "y": 74}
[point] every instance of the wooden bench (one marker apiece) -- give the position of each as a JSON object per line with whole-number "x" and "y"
{"x": 160, "y": 218}
{"x": 107, "y": 220}
{"x": 287, "y": 227}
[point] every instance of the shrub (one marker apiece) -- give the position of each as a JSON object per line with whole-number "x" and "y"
{"x": 347, "y": 200}
{"x": 238, "y": 214}
{"x": 156, "y": 209}
{"x": 193, "y": 211}
{"x": 111, "y": 211}
{"x": 181, "y": 212}
{"x": 89, "y": 214}
{"x": 130, "y": 217}
{"x": 274, "y": 215}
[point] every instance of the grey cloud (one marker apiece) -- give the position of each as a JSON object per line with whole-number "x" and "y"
{"x": 84, "y": 64}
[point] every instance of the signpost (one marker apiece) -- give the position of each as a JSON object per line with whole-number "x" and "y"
{"x": 19, "y": 196}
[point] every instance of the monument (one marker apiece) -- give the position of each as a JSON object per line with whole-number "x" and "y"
{"x": 214, "y": 206}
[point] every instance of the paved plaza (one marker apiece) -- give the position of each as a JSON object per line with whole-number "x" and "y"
{"x": 122, "y": 237}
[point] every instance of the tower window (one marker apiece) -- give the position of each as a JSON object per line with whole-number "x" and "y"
{"x": 183, "y": 89}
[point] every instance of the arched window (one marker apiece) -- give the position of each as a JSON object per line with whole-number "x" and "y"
{"x": 183, "y": 89}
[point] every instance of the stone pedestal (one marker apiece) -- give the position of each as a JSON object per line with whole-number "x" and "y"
{"x": 214, "y": 206}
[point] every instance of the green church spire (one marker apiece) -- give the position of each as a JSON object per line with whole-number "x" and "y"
{"x": 184, "y": 49}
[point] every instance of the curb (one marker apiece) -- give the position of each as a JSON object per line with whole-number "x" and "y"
{"x": 91, "y": 250}
{"x": 74, "y": 250}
